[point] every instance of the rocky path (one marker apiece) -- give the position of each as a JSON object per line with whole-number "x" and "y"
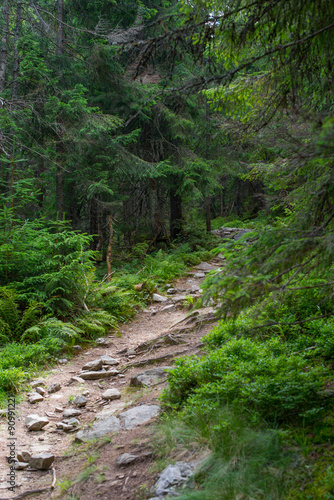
{"x": 86, "y": 425}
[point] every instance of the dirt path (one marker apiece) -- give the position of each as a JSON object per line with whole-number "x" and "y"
{"x": 96, "y": 460}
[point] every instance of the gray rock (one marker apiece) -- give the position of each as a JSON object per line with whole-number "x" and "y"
{"x": 23, "y": 456}
{"x": 54, "y": 388}
{"x": 65, "y": 427}
{"x": 172, "y": 477}
{"x": 171, "y": 291}
{"x": 98, "y": 375}
{"x": 35, "y": 422}
{"x": 80, "y": 380}
{"x": 127, "y": 458}
{"x": 102, "y": 341}
{"x": 151, "y": 376}
{"x": 138, "y": 415}
{"x": 71, "y": 413}
{"x": 59, "y": 409}
{"x": 21, "y": 465}
{"x": 41, "y": 391}
{"x": 205, "y": 267}
{"x": 111, "y": 394}
{"x": 42, "y": 461}
{"x": 77, "y": 348}
{"x": 159, "y": 298}
{"x": 36, "y": 383}
{"x": 63, "y": 361}
{"x": 107, "y": 360}
{"x": 179, "y": 298}
{"x": 35, "y": 398}
{"x": 99, "y": 429}
{"x": 200, "y": 274}
{"x": 92, "y": 366}
{"x": 80, "y": 401}
{"x": 115, "y": 407}
{"x": 170, "y": 307}
{"x": 193, "y": 289}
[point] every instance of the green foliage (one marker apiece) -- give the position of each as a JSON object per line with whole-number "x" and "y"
{"x": 18, "y": 361}
{"x": 243, "y": 461}
{"x": 96, "y": 324}
{"x": 262, "y": 377}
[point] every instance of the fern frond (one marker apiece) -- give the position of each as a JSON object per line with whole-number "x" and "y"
{"x": 8, "y": 308}
{"x": 32, "y": 334}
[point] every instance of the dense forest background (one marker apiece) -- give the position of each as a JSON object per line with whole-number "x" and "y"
{"x": 130, "y": 130}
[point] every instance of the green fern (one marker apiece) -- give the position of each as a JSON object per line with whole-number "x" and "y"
{"x": 5, "y": 332}
{"x": 32, "y": 334}
{"x": 54, "y": 328}
{"x": 9, "y": 309}
{"x": 97, "y": 323}
{"x": 30, "y": 316}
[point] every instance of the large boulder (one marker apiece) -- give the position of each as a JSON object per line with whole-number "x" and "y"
{"x": 99, "y": 429}
{"x": 138, "y": 415}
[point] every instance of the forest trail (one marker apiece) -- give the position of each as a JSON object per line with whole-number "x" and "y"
{"x": 164, "y": 331}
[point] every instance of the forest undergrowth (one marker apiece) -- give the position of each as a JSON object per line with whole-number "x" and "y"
{"x": 258, "y": 403}
{"x": 59, "y": 295}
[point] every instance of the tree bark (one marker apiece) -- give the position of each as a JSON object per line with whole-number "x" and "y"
{"x": 16, "y": 64}
{"x": 176, "y": 218}
{"x": 4, "y": 45}
{"x": 60, "y": 145}
{"x": 208, "y": 213}
{"x": 110, "y": 242}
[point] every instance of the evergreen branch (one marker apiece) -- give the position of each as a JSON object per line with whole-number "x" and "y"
{"x": 273, "y": 323}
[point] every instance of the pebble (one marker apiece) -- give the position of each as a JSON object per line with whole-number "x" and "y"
{"x": 54, "y": 388}
{"x": 35, "y": 398}
{"x": 80, "y": 401}
{"x": 41, "y": 391}
{"x": 111, "y": 394}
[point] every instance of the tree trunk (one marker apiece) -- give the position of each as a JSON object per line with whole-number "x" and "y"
{"x": 60, "y": 145}
{"x": 16, "y": 50}
{"x": 110, "y": 242}
{"x": 208, "y": 213}
{"x": 176, "y": 219}
{"x": 59, "y": 42}
{"x": 4, "y": 44}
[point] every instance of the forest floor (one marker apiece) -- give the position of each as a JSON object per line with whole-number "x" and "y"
{"x": 89, "y": 469}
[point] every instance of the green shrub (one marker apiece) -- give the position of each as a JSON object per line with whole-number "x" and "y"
{"x": 261, "y": 377}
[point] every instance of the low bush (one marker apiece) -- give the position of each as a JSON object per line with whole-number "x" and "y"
{"x": 260, "y": 377}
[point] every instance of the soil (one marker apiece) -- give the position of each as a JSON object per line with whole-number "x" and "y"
{"x": 89, "y": 470}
